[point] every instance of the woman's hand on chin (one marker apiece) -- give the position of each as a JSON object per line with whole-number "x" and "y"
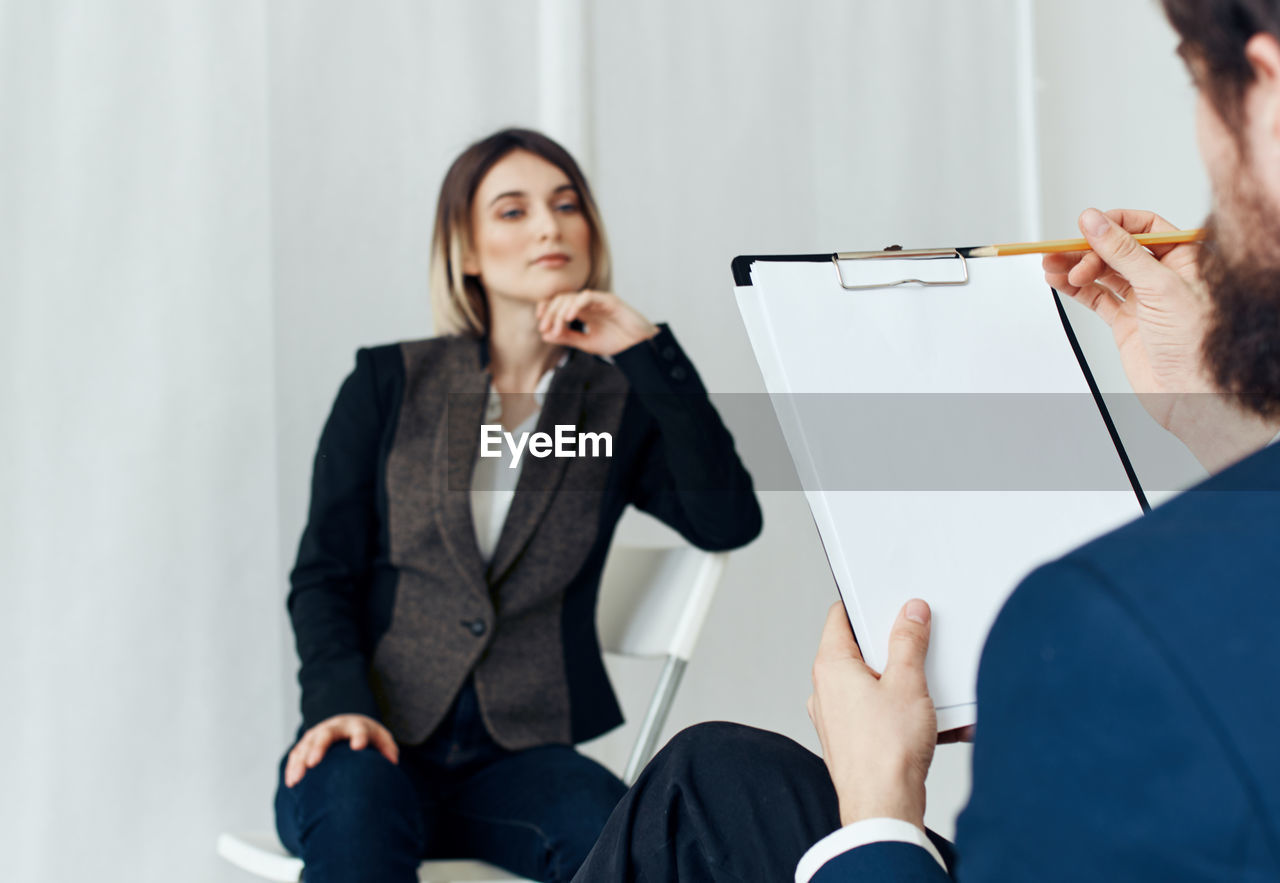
{"x": 609, "y": 324}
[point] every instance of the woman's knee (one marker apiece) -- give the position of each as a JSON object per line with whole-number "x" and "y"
{"x": 356, "y": 793}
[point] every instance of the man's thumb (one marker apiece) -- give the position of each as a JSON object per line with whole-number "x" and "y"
{"x": 1116, "y": 246}
{"x": 909, "y": 641}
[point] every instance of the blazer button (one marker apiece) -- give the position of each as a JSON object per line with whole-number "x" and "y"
{"x": 475, "y": 626}
{"x": 678, "y": 373}
{"x": 669, "y": 353}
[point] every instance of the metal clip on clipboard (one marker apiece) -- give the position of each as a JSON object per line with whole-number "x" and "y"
{"x": 922, "y": 254}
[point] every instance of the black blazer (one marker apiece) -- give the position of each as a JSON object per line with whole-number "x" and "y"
{"x": 391, "y": 603}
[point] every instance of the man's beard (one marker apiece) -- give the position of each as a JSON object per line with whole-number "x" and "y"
{"x": 1242, "y": 346}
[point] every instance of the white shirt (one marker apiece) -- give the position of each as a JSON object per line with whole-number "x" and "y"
{"x": 493, "y": 481}
{"x": 860, "y": 834}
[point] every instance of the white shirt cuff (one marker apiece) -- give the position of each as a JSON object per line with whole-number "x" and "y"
{"x": 860, "y": 834}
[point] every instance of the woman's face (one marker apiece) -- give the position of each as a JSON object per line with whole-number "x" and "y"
{"x": 530, "y": 238}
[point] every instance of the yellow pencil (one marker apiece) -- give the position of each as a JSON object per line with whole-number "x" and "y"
{"x": 1055, "y": 245}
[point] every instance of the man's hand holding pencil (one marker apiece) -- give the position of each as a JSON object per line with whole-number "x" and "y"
{"x": 1158, "y": 308}
{"x": 1153, "y": 301}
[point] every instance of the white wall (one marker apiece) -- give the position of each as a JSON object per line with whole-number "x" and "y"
{"x": 205, "y": 208}
{"x": 138, "y": 471}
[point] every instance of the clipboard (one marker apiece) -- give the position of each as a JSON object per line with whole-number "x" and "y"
{"x": 859, "y": 352}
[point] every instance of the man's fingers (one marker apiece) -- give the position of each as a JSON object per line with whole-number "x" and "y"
{"x": 1086, "y": 269}
{"x": 1101, "y": 300}
{"x": 837, "y": 636}
{"x": 1139, "y": 220}
{"x": 1090, "y": 283}
{"x": 1061, "y": 261}
{"x": 359, "y": 737}
{"x": 1116, "y": 246}
{"x": 1059, "y": 283}
{"x": 909, "y": 642}
{"x": 1118, "y": 285}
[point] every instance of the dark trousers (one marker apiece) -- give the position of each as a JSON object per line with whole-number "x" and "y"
{"x": 358, "y": 817}
{"x": 720, "y": 802}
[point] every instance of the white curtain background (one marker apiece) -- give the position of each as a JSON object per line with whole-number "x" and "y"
{"x": 141, "y": 621}
{"x": 206, "y": 206}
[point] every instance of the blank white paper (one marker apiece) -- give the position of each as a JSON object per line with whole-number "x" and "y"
{"x": 962, "y": 550}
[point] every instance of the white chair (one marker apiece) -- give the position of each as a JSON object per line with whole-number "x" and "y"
{"x": 653, "y": 603}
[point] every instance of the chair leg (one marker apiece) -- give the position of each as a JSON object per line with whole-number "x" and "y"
{"x": 654, "y": 718}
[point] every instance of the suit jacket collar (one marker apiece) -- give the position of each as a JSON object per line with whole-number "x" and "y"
{"x": 540, "y": 477}
{"x": 457, "y": 448}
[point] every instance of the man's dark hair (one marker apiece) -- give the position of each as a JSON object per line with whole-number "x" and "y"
{"x": 1214, "y": 33}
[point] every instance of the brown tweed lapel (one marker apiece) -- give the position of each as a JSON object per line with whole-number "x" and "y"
{"x": 455, "y": 456}
{"x": 540, "y": 477}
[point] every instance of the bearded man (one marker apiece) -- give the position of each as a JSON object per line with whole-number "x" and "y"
{"x": 1128, "y": 697}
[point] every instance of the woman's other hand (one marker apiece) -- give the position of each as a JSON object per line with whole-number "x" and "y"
{"x": 357, "y": 729}
{"x": 609, "y": 324}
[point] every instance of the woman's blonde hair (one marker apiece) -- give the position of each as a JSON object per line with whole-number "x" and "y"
{"x": 458, "y": 303}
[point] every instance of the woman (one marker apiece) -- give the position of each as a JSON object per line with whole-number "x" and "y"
{"x": 444, "y": 602}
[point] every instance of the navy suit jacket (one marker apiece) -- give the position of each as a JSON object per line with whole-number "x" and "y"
{"x": 1129, "y": 716}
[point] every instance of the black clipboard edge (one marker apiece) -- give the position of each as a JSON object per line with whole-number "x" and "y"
{"x": 1101, "y": 403}
{"x": 742, "y": 263}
